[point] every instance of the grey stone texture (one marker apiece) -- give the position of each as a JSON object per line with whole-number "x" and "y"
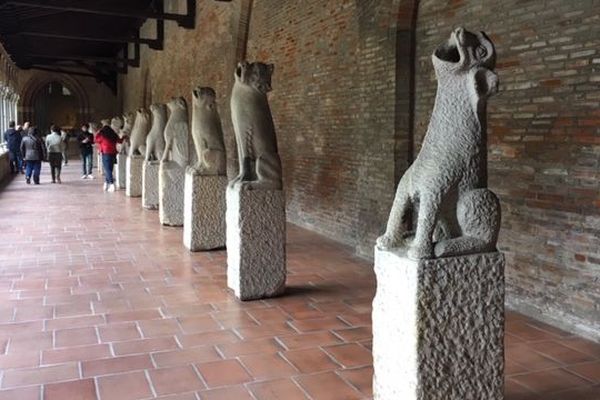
{"x": 171, "y": 182}
{"x": 155, "y": 142}
{"x": 133, "y": 185}
{"x": 121, "y": 171}
{"x": 256, "y": 255}
{"x": 128, "y": 121}
{"x": 177, "y": 133}
{"x": 204, "y": 211}
{"x": 150, "y": 198}
{"x": 207, "y": 133}
{"x": 260, "y": 165}
{"x": 446, "y": 186}
{"x": 438, "y": 327}
{"x": 141, "y": 127}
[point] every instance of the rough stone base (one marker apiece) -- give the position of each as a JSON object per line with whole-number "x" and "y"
{"x": 121, "y": 172}
{"x": 256, "y": 262}
{"x": 171, "y": 180}
{"x": 438, "y": 328}
{"x": 133, "y": 186}
{"x": 204, "y": 212}
{"x": 150, "y": 185}
{"x": 98, "y": 157}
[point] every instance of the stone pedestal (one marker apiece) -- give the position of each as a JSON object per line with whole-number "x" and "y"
{"x": 98, "y": 157}
{"x": 171, "y": 180}
{"x": 256, "y": 262}
{"x": 121, "y": 172}
{"x": 204, "y": 211}
{"x": 438, "y": 327}
{"x": 150, "y": 185}
{"x": 133, "y": 185}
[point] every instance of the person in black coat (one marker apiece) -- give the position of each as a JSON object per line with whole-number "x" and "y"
{"x": 33, "y": 151}
{"x": 13, "y": 138}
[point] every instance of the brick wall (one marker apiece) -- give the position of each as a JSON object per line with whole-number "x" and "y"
{"x": 334, "y": 105}
{"x": 544, "y": 145}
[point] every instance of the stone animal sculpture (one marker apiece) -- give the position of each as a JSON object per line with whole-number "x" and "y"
{"x": 128, "y": 121}
{"x": 155, "y": 142}
{"x": 177, "y": 133}
{"x": 137, "y": 142}
{"x": 260, "y": 166}
{"x": 447, "y": 184}
{"x": 207, "y": 133}
{"x": 116, "y": 124}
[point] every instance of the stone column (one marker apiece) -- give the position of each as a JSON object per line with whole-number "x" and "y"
{"x": 204, "y": 211}
{"x": 256, "y": 261}
{"x": 171, "y": 182}
{"x": 150, "y": 185}
{"x": 121, "y": 172}
{"x": 438, "y": 327}
{"x": 133, "y": 185}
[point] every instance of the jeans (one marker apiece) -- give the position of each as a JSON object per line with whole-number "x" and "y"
{"x": 16, "y": 163}
{"x": 34, "y": 167}
{"x": 88, "y": 163}
{"x": 108, "y": 162}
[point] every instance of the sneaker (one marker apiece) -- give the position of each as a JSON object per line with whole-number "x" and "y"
{"x": 84, "y": 177}
{"x": 58, "y": 180}
{"x": 28, "y": 181}
{"x": 105, "y": 186}
{"x": 111, "y": 187}
{"x": 90, "y": 176}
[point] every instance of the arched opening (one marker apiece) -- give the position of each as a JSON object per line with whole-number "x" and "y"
{"x": 55, "y": 103}
{"x": 36, "y": 101}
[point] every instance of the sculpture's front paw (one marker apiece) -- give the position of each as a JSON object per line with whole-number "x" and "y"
{"x": 419, "y": 252}
{"x": 387, "y": 242}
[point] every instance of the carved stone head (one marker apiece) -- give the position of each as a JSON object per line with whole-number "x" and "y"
{"x": 205, "y": 97}
{"x": 463, "y": 51}
{"x": 142, "y": 115}
{"x": 116, "y": 123}
{"x": 257, "y": 75}
{"x": 158, "y": 108}
{"x": 177, "y": 104}
{"x": 129, "y": 118}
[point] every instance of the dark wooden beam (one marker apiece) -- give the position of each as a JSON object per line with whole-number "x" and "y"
{"x": 109, "y": 60}
{"x": 61, "y": 71}
{"x": 182, "y": 20}
{"x": 106, "y": 39}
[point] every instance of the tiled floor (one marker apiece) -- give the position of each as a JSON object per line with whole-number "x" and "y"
{"x": 101, "y": 302}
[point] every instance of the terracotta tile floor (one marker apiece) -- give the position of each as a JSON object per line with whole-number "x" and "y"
{"x": 101, "y": 302}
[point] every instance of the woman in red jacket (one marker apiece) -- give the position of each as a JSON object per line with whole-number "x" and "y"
{"x": 107, "y": 140}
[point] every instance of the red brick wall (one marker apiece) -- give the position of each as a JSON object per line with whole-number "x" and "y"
{"x": 334, "y": 108}
{"x": 544, "y": 144}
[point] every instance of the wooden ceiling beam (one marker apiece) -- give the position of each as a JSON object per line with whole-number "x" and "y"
{"x": 184, "y": 20}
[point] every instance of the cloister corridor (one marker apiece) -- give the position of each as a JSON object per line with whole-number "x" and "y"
{"x": 101, "y": 302}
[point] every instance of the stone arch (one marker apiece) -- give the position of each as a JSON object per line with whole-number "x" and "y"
{"x": 35, "y": 84}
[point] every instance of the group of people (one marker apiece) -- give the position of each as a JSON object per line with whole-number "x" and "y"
{"x": 28, "y": 149}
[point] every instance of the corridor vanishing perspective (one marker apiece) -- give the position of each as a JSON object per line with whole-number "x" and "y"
{"x": 101, "y": 302}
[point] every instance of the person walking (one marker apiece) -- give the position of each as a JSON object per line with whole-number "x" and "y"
{"x": 55, "y": 157}
{"x": 65, "y": 146}
{"x": 33, "y": 152}
{"x": 107, "y": 140}
{"x": 86, "y": 142}
{"x": 13, "y": 139}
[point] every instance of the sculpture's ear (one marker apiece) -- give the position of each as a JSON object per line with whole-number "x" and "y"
{"x": 243, "y": 65}
{"x": 490, "y": 59}
{"x": 486, "y": 82}
{"x": 270, "y": 68}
